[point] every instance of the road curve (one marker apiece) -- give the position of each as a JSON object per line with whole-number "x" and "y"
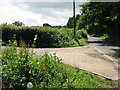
{"x": 111, "y": 51}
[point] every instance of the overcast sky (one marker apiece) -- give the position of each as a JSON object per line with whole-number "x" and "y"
{"x": 36, "y": 13}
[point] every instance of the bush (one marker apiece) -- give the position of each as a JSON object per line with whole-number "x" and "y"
{"x": 81, "y": 34}
{"x": 46, "y": 36}
{"x": 21, "y": 69}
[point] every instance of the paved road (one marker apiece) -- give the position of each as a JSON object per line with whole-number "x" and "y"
{"x": 97, "y": 57}
{"x": 111, "y": 51}
{"x": 84, "y": 57}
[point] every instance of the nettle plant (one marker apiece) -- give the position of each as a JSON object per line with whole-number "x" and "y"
{"x": 22, "y": 69}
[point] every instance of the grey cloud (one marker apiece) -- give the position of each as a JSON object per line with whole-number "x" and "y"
{"x": 60, "y": 5}
{"x": 41, "y": 5}
{"x": 57, "y": 5}
{"x": 48, "y": 9}
{"x": 31, "y": 21}
{"x": 37, "y": 6}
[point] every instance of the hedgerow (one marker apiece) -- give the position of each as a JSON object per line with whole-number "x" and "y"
{"x": 45, "y": 36}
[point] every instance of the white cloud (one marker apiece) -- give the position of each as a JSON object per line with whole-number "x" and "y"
{"x": 33, "y": 15}
{"x": 47, "y": 0}
{"x": 10, "y": 14}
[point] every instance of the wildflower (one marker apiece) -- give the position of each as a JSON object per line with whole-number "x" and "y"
{"x": 38, "y": 62}
{"x": 35, "y": 37}
{"x": 29, "y": 85}
{"x": 30, "y": 72}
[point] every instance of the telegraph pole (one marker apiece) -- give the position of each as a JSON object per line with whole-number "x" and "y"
{"x": 74, "y": 16}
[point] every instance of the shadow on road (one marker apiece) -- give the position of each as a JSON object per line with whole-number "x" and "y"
{"x": 117, "y": 52}
{"x": 95, "y": 41}
{"x": 102, "y": 44}
{"x": 109, "y": 44}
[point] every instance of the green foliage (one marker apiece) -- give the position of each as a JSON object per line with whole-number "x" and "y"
{"x": 104, "y": 36}
{"x": 100, "y": 18}
{"x": 46, "y": 25}
{"x": 22, "y": 69}
{"x": 81, "y": 34}
{"x": 83, "y": 41}
{"x": 18, "y": 23}
{"x": 70, "y": 23}
{"x": 83, "y": 79}
{"x": 46, "y": 36}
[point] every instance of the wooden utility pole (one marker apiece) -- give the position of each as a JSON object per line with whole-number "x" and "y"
{"x": 74, "y": 16}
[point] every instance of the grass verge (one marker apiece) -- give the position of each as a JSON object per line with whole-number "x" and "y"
{"x": 83, "y": 79}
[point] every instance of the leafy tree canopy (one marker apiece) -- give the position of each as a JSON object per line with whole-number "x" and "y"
{"x": 18, "y": 23}
{"x": 100, "y": 18}
{"x": 46, "y": 25}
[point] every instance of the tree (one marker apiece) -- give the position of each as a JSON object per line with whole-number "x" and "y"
{"x": 70, "y": 23}
{"x": 46, "y": 25}
{"x": 18, "y": 23}
{"x": 57, "y": 26}
{"x": 100, "y": 18}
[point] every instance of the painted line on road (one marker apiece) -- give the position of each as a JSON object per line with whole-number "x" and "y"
{"x": 103, "y": 53}
{"x": 106, "y": 55}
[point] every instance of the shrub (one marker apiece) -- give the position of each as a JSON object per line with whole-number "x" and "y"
{"x": 83, "y": 41}
{"x": 22, "y": 69}
{"x": 81, "y": 34}
{"x": 46, "y": 36}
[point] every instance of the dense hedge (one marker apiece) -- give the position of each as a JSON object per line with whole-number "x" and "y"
{"x": 45, "y": 36}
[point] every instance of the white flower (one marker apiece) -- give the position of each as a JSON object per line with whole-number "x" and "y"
{"x": 29, "y": 85}
{"x": 35, "y": 37}
{"x": 38, "y": 62}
